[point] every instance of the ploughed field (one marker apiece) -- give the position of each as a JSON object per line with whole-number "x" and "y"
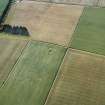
{"x": 62, "y": 62}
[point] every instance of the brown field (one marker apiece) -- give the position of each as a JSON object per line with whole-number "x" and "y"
{"x": 47, "y": 23}
{"x": 10, "y": 50}
{"x": 81, "y": 80}
{"x": 101, "y": 3}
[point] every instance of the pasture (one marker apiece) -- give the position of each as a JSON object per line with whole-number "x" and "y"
{"x": 81, "y": 80}
{"x": 89, "y": 34}
{"x": 33, "y": 75}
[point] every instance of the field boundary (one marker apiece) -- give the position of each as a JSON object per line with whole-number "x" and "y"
{"x": 72, "y": 38}
{"x": 28, "y": 39}
{"x": 69, "y": 44}
{"x": 87, "y": 52}
{"x": 86, "y": 5}
{"x": 16, "y": 62}
{"x": 60, "y": 70}
{"x": 56, "y": 77}
{"x": 49, "y": 43}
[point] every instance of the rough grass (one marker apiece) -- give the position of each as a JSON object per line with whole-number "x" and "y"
{"x": 81, "y": 81}
{"x": 90, "y": 32}
{"x": 32, "y": 77}
{"x": 10, "y": 50}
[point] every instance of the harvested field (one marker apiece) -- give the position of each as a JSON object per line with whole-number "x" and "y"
{"x": 90, "y": 32}
{"x": 33, "y": 75}
{"x": 81, "y": 80}
{"x": 47, "y": 23}
{"x": 10, "y": 50}
{"x": 101, "y": 3}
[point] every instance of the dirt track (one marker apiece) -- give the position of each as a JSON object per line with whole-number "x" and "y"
{"x": 75, "y": 2}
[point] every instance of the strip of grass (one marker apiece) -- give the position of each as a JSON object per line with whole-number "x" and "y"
{"x": 33, "y": 75}
{"x": 10, "y": 50}
{"x": 81, "y": 81}
{"x": 11, "y": 36}
{"x": 90, "y": 32}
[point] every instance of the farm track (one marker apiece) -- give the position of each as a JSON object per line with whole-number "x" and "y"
{"x": 99, "y": 3}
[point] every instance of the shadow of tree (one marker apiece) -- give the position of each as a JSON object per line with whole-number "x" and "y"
{"x": 15, "y": 30}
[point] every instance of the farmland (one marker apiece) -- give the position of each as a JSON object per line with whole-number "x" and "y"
{"x": 61, "y": 61}
{"x": 90, "y": 32}
{"x": 80, "y": 80}
{"x": 57, "y": 27}
{"x": 10, "y": 50}
{"x": 33, "y": 75}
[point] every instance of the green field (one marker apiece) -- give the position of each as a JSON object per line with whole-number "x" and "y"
{"x": 81, "y": 81}
{"x": 10, "y": 50}
{"x": 90, "y": 32}
{"x": 33, "y": 75}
